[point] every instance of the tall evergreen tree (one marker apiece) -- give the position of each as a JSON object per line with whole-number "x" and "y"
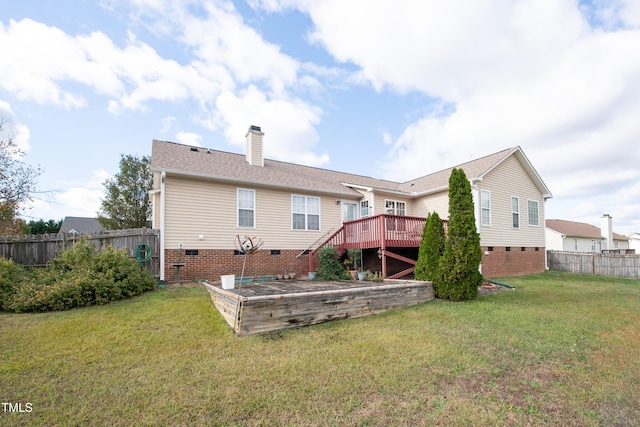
{"x": 431, "y": 248}
{"x": 460, "y": 278}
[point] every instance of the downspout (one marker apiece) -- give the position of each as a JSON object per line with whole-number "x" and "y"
{"x": 476, "y": 204}
{"x": 162, "y": 233}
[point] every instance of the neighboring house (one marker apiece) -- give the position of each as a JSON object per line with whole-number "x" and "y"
{"x": 80, "y": 225}
{"x": 571, "y": 236}
{"x": 634, "y": 242}
{"x": 202, "y": 199}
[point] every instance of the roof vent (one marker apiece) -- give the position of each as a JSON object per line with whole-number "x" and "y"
{"x": 194, "y": 148}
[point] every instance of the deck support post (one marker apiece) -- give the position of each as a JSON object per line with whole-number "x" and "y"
{"x": 383, "y": 246}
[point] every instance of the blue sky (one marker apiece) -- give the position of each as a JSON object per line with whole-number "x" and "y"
{"x": 393, "y": 90}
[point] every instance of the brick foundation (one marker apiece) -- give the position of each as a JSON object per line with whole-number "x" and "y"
{"x": 210, "y": 264}
{"x": 513, "y": 261}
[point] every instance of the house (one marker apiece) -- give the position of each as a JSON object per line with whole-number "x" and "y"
{"x": 80, "y": 225}
{"x": 634, "y": 242}
{"x": 202, "y": 199}
{"x": 571, "y": 236}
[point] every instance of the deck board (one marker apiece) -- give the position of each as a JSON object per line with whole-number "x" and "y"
{"x": 284, "y": 304}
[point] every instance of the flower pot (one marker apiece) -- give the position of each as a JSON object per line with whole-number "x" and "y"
{"x": 228, "y": 281}
{"x": 362, "y": 275}
{"x": 312, "y": 275}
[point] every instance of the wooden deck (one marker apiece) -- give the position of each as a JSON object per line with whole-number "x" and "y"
{"x": 380, "y": 231}
{"x": 258, "y": 308}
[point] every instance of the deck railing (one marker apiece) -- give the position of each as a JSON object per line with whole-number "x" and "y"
{"x": 378, "y": 231}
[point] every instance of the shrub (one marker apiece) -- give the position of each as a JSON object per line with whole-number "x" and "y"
{"x": 329, "y": 267}
{"x": 431, "y": 249}
{"x": 10, "y": 275}
{"x": 79, "y": 277}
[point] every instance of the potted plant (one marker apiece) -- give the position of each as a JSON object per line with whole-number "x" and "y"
{"x": 362, "y": 275}
{"x": 351, "y": 262}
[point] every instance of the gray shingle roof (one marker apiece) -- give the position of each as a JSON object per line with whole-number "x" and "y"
{"x": 81, "y": 225}
{"x": 578, "y": 229}
{"x": 197, "y": 161}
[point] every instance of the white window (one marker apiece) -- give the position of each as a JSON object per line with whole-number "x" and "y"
{"x": 593, "y": 245}
{"x": 246, "y": 206}
{"x": 394, "y": 207}
{"x": 349, "y": 211}
{"x": 575, "y": 244}
{"x": 515, "y": 212}
{"x": 305, "y": 213}
{"x": 532, "y": 208}
{"x": 485, "y": 207}
{"x": 364, "y": 208}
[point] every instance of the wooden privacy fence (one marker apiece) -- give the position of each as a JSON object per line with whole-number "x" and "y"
{"x": 37, "y": 250}
{"x": 602, "y": 264}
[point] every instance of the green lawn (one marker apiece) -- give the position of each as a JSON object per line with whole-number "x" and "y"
{"x": 559, "y": 350}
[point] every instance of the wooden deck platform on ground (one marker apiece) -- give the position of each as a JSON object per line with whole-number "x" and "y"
{"x": 257, "y": 308}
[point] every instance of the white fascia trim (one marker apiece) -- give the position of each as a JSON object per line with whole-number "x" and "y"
{"x": 360, "y": 187}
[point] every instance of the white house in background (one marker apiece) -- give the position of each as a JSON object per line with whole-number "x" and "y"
{"x": 634, "y": 241}
{"x": 571, "y": 236}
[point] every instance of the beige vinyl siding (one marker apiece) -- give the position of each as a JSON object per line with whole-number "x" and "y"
{"x": 438, "y": 202}
{"x": 508, "y": 180}
{"x": 208, "y": 208}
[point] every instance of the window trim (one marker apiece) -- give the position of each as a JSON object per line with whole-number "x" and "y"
{"x": 253, "y": 192}
{"x": 537, "y": 224}
{"x": 344, "y": 203}
{"x": 395, "y": 206}
{"x": 482, "y": 208}
{"x": 362, "y": 208}
{"x": 516, "y": 227}
{"x": 306, "y": 213}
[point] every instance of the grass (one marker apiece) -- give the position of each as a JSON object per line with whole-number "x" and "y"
{"x": 559, "y": 350}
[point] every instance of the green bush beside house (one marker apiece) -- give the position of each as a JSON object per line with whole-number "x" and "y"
{"x": 78, "y": 277}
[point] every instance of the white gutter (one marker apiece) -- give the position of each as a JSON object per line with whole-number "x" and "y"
{"x": 162, "y": 234}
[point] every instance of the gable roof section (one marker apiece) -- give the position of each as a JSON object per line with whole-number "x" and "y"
{"x": 213, "y": 164}
{"x": 578, "y": 229}
{"x": 80, "y": 225}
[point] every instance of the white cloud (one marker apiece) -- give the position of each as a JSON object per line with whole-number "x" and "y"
{"x": 288, "y": 124}
{"x": 20, "y": 133}
{"x": 73, "y": 199}
{"x": 189, "y": 138}
{"x": 548, "y": 76}
{"x": 225, "y": 56}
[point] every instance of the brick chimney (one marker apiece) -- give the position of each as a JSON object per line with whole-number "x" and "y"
{"x": 606, "y": 230}
{"x": 254, "y": 146}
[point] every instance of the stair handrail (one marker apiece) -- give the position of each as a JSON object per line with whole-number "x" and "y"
{"x": 317, "y": 240}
